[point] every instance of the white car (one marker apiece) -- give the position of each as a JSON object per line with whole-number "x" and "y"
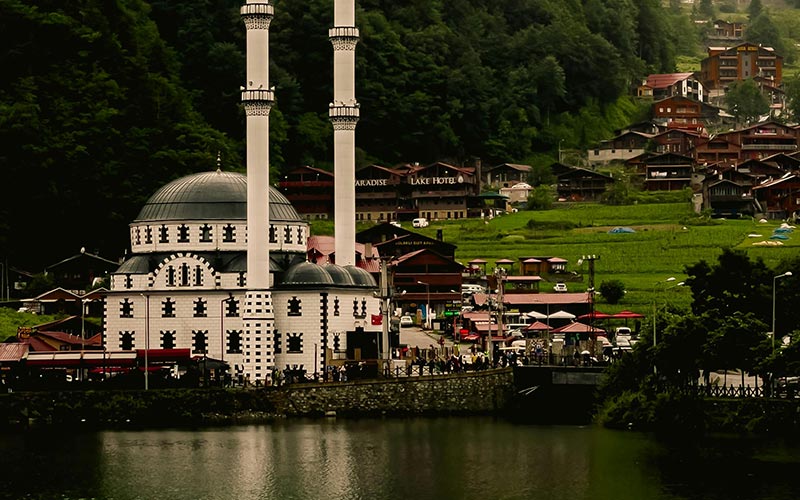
{"x": 420, "y": 222}
{"x": 560, "y": 287}
{"x": 395, "y": 223}
{"x": 406, "y": 321}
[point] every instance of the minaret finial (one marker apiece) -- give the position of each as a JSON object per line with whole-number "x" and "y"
{"x": 219, "y": 162}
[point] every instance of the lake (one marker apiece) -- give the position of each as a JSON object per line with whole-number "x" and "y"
{"x": 415, "y": 459}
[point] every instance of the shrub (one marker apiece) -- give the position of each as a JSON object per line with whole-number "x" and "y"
{"x": 612, "y": 290}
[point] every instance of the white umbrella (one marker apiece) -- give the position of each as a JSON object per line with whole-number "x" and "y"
{"x": 533, "y": 314}
{"x": 562, "y": 315}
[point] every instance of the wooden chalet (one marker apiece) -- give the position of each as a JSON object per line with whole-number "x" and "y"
{"x": 381, "y": 195}
{"x": 620, "y": 148}
{"x": 728, "y": 198}
{"x": 668, "y": 172}
{"x": 427, "y": 277}
{"x": 786, "y": 162}
{"x": 678, "y": 141}
{"x": 506, "y": 175}
{"x": 685, "y": 112}
{"x": 665, "y": 85}
{"x": 582, "y": 184}
{"x": 717, "y": 150}
{"x": 726, "y": 65}
{"x": 762, "y": 140}
{"x": 538, "y": 265}
{"x": 779, "y": 198}
{"x": 723, "y": 30}
{"x": 393, "y": 241}
{"x": 310, "y": 190}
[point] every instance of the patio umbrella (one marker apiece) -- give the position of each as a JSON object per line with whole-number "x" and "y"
{"x": 627, "y": 315}
{"x": 595, "y": 315}
{"x": 532, "y": 314}
{"x": 561, "y": 315}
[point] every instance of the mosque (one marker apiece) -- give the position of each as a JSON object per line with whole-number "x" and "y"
{"x": 218, "y": 259}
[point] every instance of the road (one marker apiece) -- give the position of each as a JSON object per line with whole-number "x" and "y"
{"x": 415, "y": 336}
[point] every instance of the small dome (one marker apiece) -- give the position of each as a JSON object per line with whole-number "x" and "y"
{"x": 305, "y": 274}
{"x": 361, "y": 277}
{"x": 340, "y": 275}
{"x": 211, "y": 195}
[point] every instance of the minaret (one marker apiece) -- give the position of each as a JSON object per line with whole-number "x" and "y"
{"x": 257, "y": 97}
{"x": 344, "y": 116}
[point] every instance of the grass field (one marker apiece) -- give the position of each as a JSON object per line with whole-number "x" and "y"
{"x": 668, "y": 238}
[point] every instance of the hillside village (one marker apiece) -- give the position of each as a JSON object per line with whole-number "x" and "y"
{"x": 691, "y": 141}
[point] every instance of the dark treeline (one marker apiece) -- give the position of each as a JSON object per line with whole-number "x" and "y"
{"x": 101, "y": 102}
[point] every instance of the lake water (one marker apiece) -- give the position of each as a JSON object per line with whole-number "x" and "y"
{"x": 415, "y": 459}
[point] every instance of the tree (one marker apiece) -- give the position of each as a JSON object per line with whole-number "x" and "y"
{"x": 763, "y": 31}
{"x": 612, "y": 290}
{"x": 706, "y": 8}
{"x": 745, "y": 101}
{"x": 541, "y": 174}
{"x": 541, "y": 198}
{"x": 793, "y": 98}
{"x": 754, "y": 9}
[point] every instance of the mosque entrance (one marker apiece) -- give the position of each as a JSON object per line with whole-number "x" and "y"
{"x": 362, "y": 345}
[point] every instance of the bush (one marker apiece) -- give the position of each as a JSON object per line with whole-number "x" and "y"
{"x": 612, "y": 291}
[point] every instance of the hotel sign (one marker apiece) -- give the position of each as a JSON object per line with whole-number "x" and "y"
{"x": 371, "y": 182}
{"x": 418, "y": 181}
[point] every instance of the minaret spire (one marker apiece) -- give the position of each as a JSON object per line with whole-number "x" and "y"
{"x": 258, "y": 97}
{"x": 344, "y": 115}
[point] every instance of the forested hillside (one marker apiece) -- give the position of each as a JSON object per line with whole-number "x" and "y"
{"x": 103, "y": 101}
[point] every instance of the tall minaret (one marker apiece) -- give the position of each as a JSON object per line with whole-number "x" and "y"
{"x": 344, "y": 116}
{"x": 257, "y": 97}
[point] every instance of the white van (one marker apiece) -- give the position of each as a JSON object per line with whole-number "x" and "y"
{"x": 419, "y": 222}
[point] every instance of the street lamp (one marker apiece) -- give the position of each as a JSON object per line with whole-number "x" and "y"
{"x": 774, "y": 282}
{"x": 428, "y": 304}
{"x": 658, "y": 283}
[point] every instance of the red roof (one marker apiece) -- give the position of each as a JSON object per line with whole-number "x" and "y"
{"x": 577, "y": 327}
{"x": 13, "y": 352}
{"x": 537, "y": 325}
{"x": 665, "y": 80}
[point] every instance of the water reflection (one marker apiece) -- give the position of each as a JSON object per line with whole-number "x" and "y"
{"x": 470, "y": 458}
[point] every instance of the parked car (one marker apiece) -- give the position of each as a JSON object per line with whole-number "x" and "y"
{"x": 395, "y": 223}
{"x": 406, "y": 320}
{"x": 560, "y": 287}
{"x": 420, "y": 222}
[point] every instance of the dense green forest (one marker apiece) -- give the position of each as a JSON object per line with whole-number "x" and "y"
{"x": 102, "y": 102}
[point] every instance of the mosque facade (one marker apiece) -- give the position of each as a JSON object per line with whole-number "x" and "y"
{"x": 218, "y": 259}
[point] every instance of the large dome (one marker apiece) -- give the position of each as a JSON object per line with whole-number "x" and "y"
{"x": 211, "y": 195}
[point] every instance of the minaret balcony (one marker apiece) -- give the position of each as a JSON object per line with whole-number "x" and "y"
{"x": 343, "y": 111}
{"x": 257, "y": 9}
{"x": 344, "y": 32}
{"x": 258, "y": 95}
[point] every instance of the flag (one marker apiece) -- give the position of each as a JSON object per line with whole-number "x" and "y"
{"x": 377, "y": 319}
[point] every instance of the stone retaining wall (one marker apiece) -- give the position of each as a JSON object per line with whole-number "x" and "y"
{"x": 473, "y": 393}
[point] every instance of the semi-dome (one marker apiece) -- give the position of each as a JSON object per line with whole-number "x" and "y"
{"x": 361, "y": 277}
{"x": 339, "y": 275}
{"x": 305, "y": 274}
{"x": 211, "y": 195}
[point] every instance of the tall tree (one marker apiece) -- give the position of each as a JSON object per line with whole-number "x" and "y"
{"x": 745, "y": 101}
